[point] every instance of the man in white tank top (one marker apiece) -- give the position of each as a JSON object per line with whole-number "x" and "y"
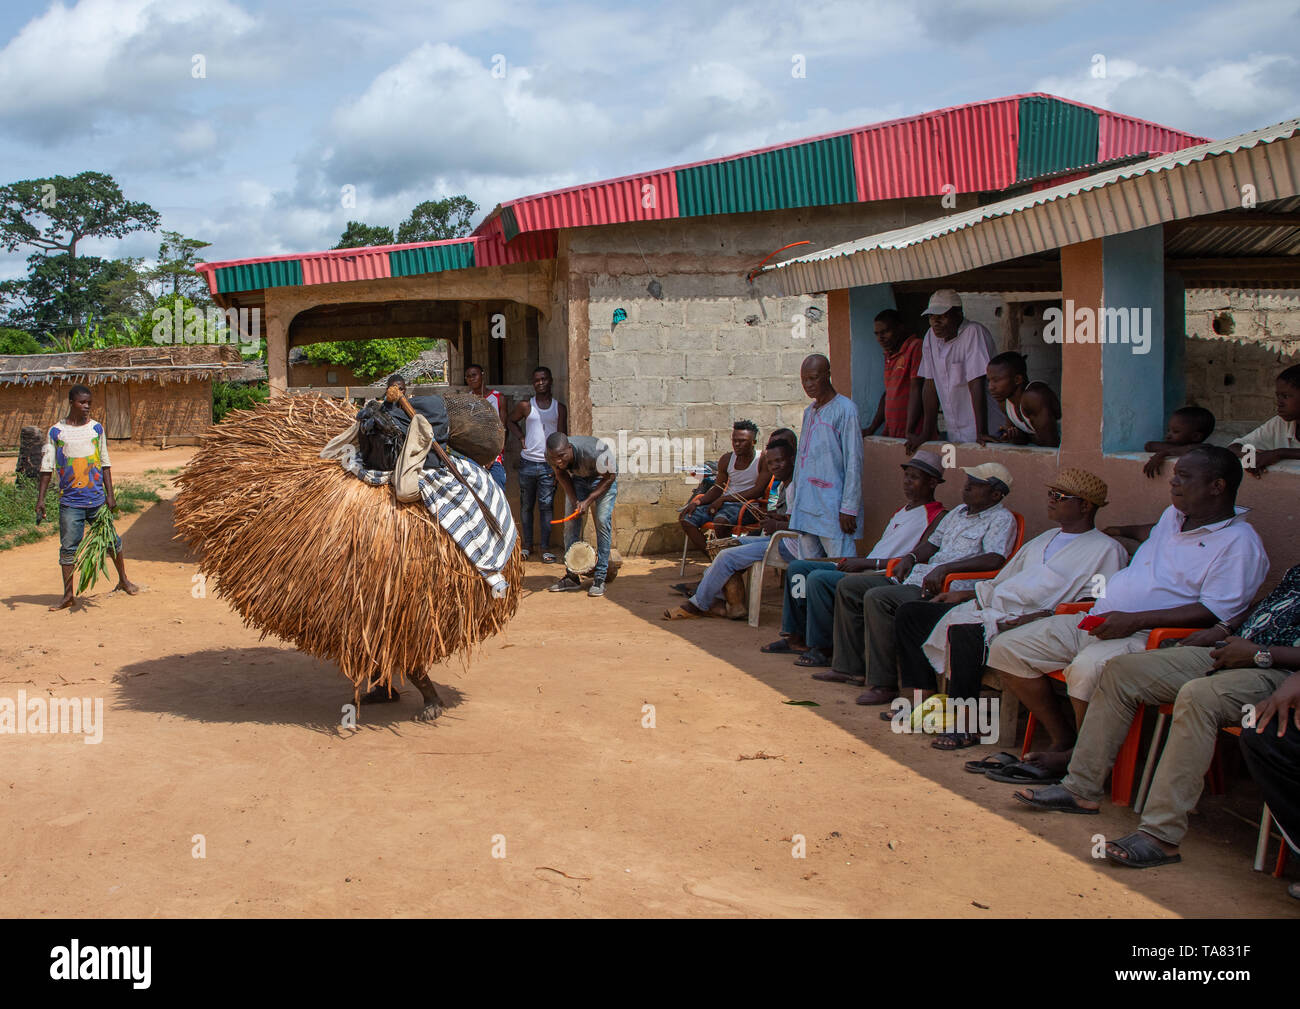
{"x": 541, "y": 416}
{"x": 742, "y": 477}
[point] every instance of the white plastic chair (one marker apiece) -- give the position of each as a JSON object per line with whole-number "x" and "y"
{"x": 771, "y": 559}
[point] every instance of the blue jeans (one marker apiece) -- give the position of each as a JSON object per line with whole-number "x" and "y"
{"x": 728, "y": 562}
{"x": 72, "y": 527}
{"x": 726, "y": 516}
{"x": 602, "y": 512}
{"x": 536, "y": 485}
{"x": 498, "y": 472}
{"x": 808, "y": 610}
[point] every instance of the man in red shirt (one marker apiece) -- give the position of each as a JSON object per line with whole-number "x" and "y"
{"x": 901, "y": 400}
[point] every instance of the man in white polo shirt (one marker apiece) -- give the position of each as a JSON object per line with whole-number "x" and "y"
{"x": 1202, "y": 562}
{"x": 955, "y": 357}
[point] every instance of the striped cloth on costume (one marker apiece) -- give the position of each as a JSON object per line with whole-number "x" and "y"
{"x": 459, "y": 514}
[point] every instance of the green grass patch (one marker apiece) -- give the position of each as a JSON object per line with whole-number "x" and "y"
{"x": 18, "y": 509}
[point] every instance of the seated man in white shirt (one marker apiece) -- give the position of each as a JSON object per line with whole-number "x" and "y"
{"x": 951, "y": 633}
{"x": 955, "y": 355}
{"x": 1200, "y": 563}
{"x": 808, "y": 609}
{"x": 1275, "y": 439}
{"x": 977, "y": 535}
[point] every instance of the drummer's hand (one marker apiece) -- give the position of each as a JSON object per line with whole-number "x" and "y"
{"x": 583, "y": 505}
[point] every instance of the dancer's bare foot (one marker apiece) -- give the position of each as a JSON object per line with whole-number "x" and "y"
{"x": 64, "y": 603}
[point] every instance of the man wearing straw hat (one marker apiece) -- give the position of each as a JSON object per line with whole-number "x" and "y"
{"x": 588, "y": 472}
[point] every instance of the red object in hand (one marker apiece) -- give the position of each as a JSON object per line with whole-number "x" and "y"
{"x": 1090, "y": 622}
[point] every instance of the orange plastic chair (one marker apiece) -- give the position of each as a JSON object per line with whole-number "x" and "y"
{"x": 979, "y": 576}
{"x": 1125, "y": 769}
{"x": 973, "y": 576}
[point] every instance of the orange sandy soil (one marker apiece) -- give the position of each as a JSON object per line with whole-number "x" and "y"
{"x": 210, "y": 731}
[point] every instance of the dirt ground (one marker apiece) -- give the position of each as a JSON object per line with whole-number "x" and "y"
{"x": 544, "y": 758}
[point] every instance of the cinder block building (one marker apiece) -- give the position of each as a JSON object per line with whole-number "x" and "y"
{"x": 642, "y": 293}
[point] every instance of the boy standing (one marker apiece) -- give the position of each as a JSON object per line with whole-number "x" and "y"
{"x": 78, "y": 448}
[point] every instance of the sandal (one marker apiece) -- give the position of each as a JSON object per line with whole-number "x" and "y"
{"x": 682, "y": 613}
{"x": 993, "y": 763}
{"x": 1142, "y": 852}
{"x": 548, "y": 558}
{"x": 1057, "y": 798}
{"x": 816, "y": 657}
{"x": 1021, "y": 773}
{"x": 954, "y": 740}
{"x": 779, "y": 645}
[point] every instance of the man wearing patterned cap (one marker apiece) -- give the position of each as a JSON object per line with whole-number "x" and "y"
{"x": 951, "y": 633}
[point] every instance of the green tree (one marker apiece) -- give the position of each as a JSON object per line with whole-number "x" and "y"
{"x": 435, "y": 220}
{"x": 177, "y": 257}
{"x": 358, "y": 235}
{"x": 17, "y": 341}
{"x": 368, "y": 358}
{"x": 65, "y": 291}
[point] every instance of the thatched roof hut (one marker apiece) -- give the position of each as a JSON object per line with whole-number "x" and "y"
{"x": 145, "y": 394}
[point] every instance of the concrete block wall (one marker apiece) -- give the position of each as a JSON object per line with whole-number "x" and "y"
{"x": 1231, "y": 372}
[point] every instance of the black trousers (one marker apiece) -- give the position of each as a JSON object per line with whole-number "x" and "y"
{"x": 913, "y": 623}
{"x": 1275, "y": 765}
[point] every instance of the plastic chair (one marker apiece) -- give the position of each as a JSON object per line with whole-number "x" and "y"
{"x": 1125, "y": 769}
{"x": 973, "y": 576}
{"x": 771, "y": 559}
{"x": 738, "y": 529}
{"x": 979, "y": 576}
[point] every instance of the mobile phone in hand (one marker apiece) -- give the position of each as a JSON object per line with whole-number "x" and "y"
{"x": 1088, "y": 623}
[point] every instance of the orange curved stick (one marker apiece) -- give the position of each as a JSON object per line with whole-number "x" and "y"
{"x": 752, "y": 273}
{"x": 556, "y": 522}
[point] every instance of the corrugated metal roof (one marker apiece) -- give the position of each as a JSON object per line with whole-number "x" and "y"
{"x": 1055, "y": 136}
{"x": 974, "y": 147}
{"x": 804, "y": 175}
{"x": 1205, "y": 179}
{"x": 977, "y": 147}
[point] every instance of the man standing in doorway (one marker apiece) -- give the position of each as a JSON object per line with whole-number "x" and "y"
{"x": 541, "y": 416}
{"x": 476, "y": 380}
{"x": 78, "y": 448}
{"x": 955, "y": 355}
{"x": 828, "y": 471}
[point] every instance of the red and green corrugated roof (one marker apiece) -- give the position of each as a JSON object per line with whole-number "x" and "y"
{"x": 977, "y": 148}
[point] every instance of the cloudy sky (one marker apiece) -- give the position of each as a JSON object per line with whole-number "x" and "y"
{"x": 407, "y": 100}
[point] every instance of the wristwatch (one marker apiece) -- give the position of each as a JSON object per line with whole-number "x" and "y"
{"x": 1264, "y": 658}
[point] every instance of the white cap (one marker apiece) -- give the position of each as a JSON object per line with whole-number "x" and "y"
{"x": 942, "y": 301}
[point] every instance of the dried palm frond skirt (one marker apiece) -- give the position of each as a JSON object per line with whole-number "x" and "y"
{"x": 307, "y": 552}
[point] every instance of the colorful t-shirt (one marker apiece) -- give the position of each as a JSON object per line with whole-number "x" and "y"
{"x": 900, "y": 370}
{"x": 80, "y": 454}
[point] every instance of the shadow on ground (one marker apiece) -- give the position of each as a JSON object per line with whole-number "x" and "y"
{"x": 263, "y": 685}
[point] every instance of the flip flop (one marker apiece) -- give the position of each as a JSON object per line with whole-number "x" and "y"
{"x": 1142, "y": 850}
{"x": 681, "y": 613}
{"x": 779, "y": 645}
{"x": 954, "y": 740}
{"x": 993, "y": 763}
{"x": 816, "y": 657}
{"x": 683, "y": 588}
{"x": 1056, "y": 798}
{"x": 1024, "y": 774}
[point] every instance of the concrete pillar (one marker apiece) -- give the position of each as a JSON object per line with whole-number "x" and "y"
{"x": 277, "y": 320}
{"x": 579, "y": 365}
{"x": 1133, "y": 296}
{"x": 1081, "y": 391}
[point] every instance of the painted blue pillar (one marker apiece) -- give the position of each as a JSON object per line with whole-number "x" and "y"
{"x": 865, "y": 303}
{"x": 1131, "y": 330}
